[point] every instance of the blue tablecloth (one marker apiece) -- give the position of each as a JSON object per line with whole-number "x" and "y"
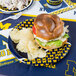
{"x": 66, "y": 66}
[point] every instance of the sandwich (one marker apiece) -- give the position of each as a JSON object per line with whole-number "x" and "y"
{"x": 49, "y": 31}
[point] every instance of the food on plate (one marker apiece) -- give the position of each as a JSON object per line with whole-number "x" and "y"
{"x": 14, "y": 4}
{"x": 49, "y": 31}
{"x": 26, "y": 43}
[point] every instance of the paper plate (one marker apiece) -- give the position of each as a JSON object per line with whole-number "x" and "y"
{"x": 53, "y": 56}
{"x": 7, "y": 11}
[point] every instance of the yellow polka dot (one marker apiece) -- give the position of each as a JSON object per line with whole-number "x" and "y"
{"x": 43, "y": 60}
{"x": 41, "y": 64}
{"x": 15, "y": 26}
{"x": 49, "y": 61}
{"x": 28, "y": 62}
{"x": 69, "y": 45}
{"x": 66, "y": 51}
{"x": 53, "y": 52}
{"x": 46, "y": 56}
{"x": 60, "y": 49}
{"x": 31, "y": 19}
{"x": 28, "y": 22}
{"x": 36, "y": 64}
{"x": 20, "y": 61}
{"x": 31, "y": 25}
{"x": 61, "y": 57}
{"x": 20, "y": 22}
{"x": 22, "y": 25}
{"x": 49, "y": 58}
{"x": 48, "y": 52}
{"x": 26, "y": 25}
{"x": 39, "y": 61}
{"x": 32, "y": 22}
{"x": 24, "y": 22}
{"x": 56, "y": 57}
{"x": 55, "y": 49}
{"x": 64, "y": 54}
{"x": 68, "y": 48}
{"x": 55, "y": 61}
{"x": 33, "y": 61}
{"x": 25, "y": 60}
{"x": 51, "y": 55}
{"x": 49, "y": 66}
{"x": 53, "y": 66}
{"x": 46, "y": 64}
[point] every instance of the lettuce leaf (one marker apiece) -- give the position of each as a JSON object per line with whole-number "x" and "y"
{"x": 41, "y": 43}
{"x": 66, "y": 36}
{"x": 57, "y": 43}
{"x": 50, "y": 43}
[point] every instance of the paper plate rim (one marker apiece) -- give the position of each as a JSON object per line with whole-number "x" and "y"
{"x": 10, "y": 12}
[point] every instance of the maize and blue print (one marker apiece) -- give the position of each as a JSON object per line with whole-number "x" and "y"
{"x": 2, "y": 38}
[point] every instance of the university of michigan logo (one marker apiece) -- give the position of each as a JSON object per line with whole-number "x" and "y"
{"x": 5, "y": 26}
{"x": 71, "y": 68}
{"x": 4, "y": 46}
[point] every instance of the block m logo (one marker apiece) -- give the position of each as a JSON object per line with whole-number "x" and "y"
{"x": 71, "y": 68}
{"x": 5, "y": 26}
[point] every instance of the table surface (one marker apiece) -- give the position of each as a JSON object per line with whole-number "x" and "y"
{"x": 65, "y": 66}
{"x": 18, "y": 69}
